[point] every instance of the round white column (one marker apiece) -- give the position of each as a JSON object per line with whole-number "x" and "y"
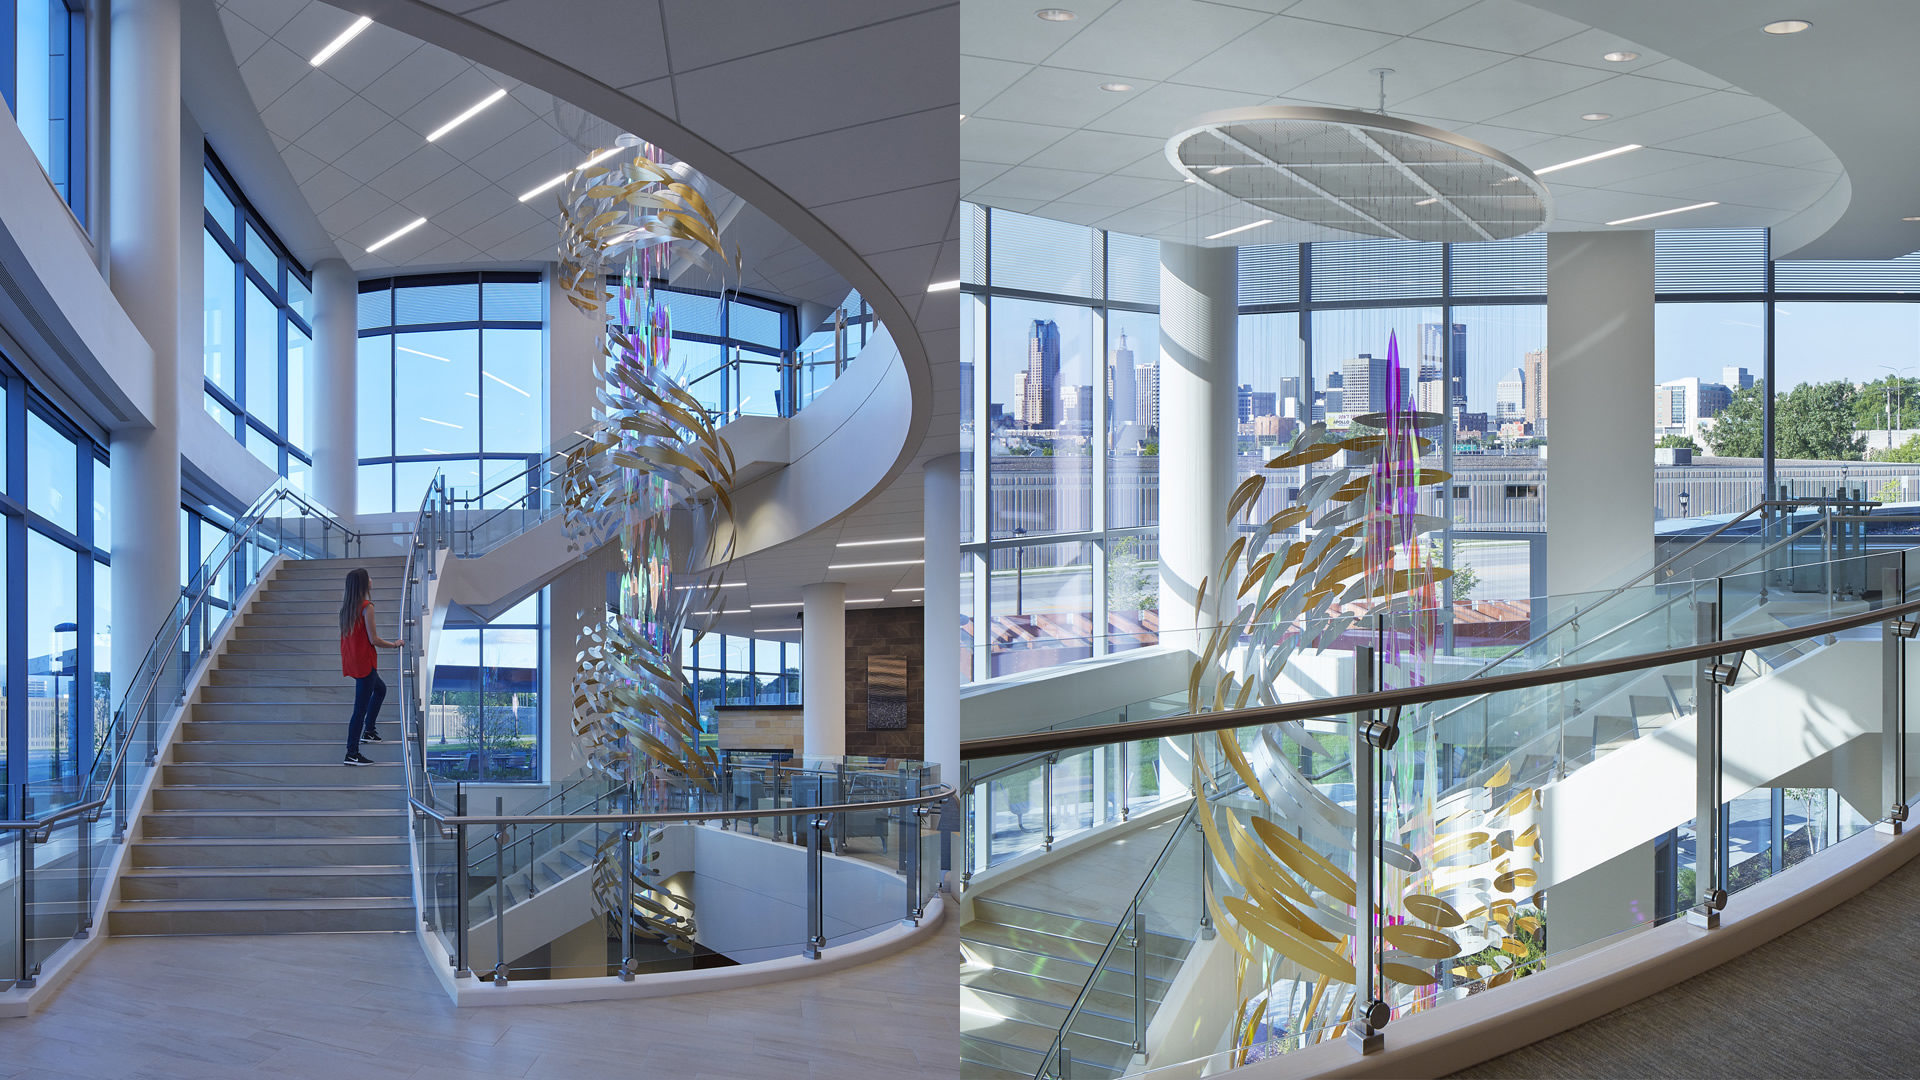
{"x": 335, "y": 379}
{"x": 143, "y": 251}
{"x": 823, "y": 669}
{"x": 940, "y": 638}
{"x": 1198, "y": 342}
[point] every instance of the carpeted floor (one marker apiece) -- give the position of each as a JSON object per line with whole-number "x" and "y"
{"x": 1833, "y": 998}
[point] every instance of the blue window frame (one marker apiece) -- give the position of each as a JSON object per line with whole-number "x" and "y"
{"x": 736, "y": 353}
{"x": 55, "y": 539}
{"x": 258, "y": 305}
{"x": 43, "y": 77}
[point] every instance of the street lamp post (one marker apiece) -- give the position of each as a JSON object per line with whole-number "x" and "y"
{"x": 1684, "y": 498}
{"x": 1020, "y": 574}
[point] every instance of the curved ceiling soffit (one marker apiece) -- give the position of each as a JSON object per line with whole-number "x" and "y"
{"x": 1859, "y": 216}
{"x": 488, "y": 47}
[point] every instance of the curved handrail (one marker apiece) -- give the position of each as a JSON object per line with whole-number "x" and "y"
{"x": 1408, "y": 696}
{"x": 164, "y": 643}
{"x": 660, "y": 817}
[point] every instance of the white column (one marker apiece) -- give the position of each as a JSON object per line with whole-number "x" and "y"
{"x": 823, "y": 669}
{"x": 1599, "y": 367}
{"x": 574, "y": 361}
{"x": 335, "y": 381}
{"x": 1198, "y": 344}
{"x": 143, "y": 253}
{"x": 940, "y": 639}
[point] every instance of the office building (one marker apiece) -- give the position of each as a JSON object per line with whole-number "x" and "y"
{"x": 1040, "y": 392}
{"x": 1126, "y": 399}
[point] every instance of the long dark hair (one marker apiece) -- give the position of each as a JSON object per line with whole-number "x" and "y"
{"x": 359, "y": 588}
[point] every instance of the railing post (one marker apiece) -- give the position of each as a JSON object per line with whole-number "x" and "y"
{"x": 1893, "y": 699}
{"x": 1206, "y": 878}
{"x": 1126, "y": 781}
{"x": 628, "y": 965}
{"x": 1370, "y": 1012}
{"x": 968, "y": 828}
{"x": 500, "y": 970}
{"x": 1046, "y": 794}
{"x": 1709, "y": 874}
{"x": 25, "y": 892}
{"x": 84, "y": 889}
{"x": 1139, "y": 931}
{"x": 816, "y": 893}
{"x": 462, "y": 888}
{"x": 910, "y": 834}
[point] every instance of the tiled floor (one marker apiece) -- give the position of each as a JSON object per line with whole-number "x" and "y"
{"x": 365, "y": 1006}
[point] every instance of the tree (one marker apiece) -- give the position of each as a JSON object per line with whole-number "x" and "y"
{"x": 1815, "y": 422}
{"x": 1871, "y": 404}
{"x": 1811, "y": 422}
{"x": 1676, "y": 442}
{"x": 1738, "y": 430}
{"x": 1131, "y": 582}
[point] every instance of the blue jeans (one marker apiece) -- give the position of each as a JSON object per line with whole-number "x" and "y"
{"x": 369, "y": 692}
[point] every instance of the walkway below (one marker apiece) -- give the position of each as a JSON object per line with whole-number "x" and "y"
{"x": 365, "y": 1006}
{"x": 1831, "y": 998}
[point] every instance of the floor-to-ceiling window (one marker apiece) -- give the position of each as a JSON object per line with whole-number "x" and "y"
{"x": 43, "y": 78}
{"x": 257, "y": 312}
{"x": 55, "y": 684}
{"x": 1059, "y": 372}
{"x": 727, "y": 669}
{"x": 452, "y": 379}
{"x": 736, "y": 354}
{"x": 485, "y": 721}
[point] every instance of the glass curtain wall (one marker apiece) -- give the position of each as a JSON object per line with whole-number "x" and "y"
{"x": 1059, "y": 369}
{"x": 56, "y": 688}
{"x": 732, "y": 352}
{"x": 485, "y": 721}
{"x": 452, "y": 379}
{"x": 730, "y": 670}
{"x": 1823, "y": 354}
{"x": 43, "y": 78}
{"x": 257, "y": 312}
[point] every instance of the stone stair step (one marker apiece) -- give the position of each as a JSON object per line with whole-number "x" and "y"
{"x": 277, "y": 797}
{"x": 269, "y": 751}
{"x": 278, "y": 883}
{"x": 270, "y": 851}
{"x": 330, "y": 729}
{"x": 210, "y": 824}
{"x": 305, "y": 916}
{"x": 337, "y": 691}
{"x": 383, "y": 773}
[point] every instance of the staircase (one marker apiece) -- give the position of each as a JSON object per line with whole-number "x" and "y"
{"x": 1022, "y": 968}
{"x": 571, "y": 855}
{"x": 256, "y": 827}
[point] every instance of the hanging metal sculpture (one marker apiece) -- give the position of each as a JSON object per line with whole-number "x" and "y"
{"x": 1348, "y": 557}
{"x": 655, "y": 474}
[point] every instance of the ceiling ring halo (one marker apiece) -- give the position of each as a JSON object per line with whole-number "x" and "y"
{"x": 1360, "y": 173}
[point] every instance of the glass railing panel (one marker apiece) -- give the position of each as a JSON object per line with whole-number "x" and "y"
{"x": 1481, "y": 888}
{"x": 863, "y": 883}
{"x": 1012, "y": 814}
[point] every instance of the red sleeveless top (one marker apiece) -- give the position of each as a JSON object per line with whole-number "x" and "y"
{"x": 357, "y": 658}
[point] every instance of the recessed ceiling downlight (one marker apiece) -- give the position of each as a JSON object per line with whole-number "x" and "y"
{"x": 1787, "y": 26}
{"x": 1620, "y": 56}
{"x": 1054, "y": 14}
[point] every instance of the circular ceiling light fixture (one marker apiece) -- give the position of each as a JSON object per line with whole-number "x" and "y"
{"x": 1055, "y": 14}
{"x": 1620, "y": 56}
{"x": 1361, "y": 172}
{"x": 1596, "y": 116}
{"x": 1116, "y": 87}
{"x": 1787, "y": 26}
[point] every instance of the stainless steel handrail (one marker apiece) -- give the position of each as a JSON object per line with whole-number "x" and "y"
{"x": 420, "y": 809}
{"x": 1404, "y": 697}
{"x": 253, "y": 518}
{"x": 976, "y": 781}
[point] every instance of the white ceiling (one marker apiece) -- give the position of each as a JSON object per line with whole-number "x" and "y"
{"x": 1042, "y": 137}
{"x": 835, "y": 119}
{"x": 352, "y": 134}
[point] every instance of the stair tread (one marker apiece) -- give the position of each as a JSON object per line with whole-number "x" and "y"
{"x": 335, "y": 903}
{"x": 272, "y": 812}
{"x": 344, "y": 870}
{"x": 287, "y": 841}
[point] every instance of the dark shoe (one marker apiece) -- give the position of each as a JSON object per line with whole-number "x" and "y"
{"x": 357, "y": 759}
{"x": 372, "y": 736}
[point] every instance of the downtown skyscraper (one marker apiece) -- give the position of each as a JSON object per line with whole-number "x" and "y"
{"x": 1040, "y": 404}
